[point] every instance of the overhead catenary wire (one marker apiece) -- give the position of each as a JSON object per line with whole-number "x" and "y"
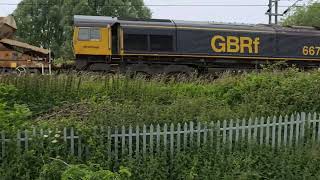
{"x": 150, "y": 5}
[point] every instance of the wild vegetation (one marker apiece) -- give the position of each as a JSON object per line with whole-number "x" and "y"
{"x": 81, "y": 100}
{"x": 84, "y": 101}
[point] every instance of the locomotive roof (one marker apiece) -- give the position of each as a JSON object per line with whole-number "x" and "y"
{"x": 80, "y": 20}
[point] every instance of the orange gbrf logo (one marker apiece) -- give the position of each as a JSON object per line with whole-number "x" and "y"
{"x": 233, "y": 44}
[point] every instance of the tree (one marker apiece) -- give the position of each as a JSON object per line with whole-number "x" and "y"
{"x": 49, "y": 23}
{"x": 305, "y": 16}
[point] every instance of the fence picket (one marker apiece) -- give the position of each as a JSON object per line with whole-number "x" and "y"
{"x": 218, "y": 135}
{"x": 185, "y": 135}
{"x": 268, "y": 131}
{"x": 123, "y": 140}
{"x": 224, "y": 132}
{"x": 151, "y": 139}
{"x": 116, "y": 143}
{"x": 109, "y": 142}
{"x": 261, "y": 130}
{"x": 72, "y": 141}
{"x": 144, "y": 139}
{"x": 26, "y": 140}
{"x": 205, "y": 131}
{"x": 280, "y": 131}
{"x": 297, "y": 122}
{"x": 273, "y": 138}
{"x": 64, "y": 134}
{"x": 285, "y": 131}
{"x": 178, "y": 137}
{"x": 158, "y": 138}
{"x": 191, "y": 133}
{"x": 165, "y": 132}
{"x": 171, "y": 139}
{"x": 137, "y": 141}
{"x": 243, "y": 129}
{"x": 314, "y": 127}
{"x": 130, "y": 141}
{"x": 198, "y": 134}
{"x": 255, "y": 130}
{"x": 230, "y": 134}
{"x": 292, "y": 121}
{"x": 302, "y": 127}
{"x": 249, "y": 130}
{"x": 237, "y": 130}
{"x": 211, "y": 133}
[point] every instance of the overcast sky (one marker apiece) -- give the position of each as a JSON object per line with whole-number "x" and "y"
{"x": 197, "y": 13}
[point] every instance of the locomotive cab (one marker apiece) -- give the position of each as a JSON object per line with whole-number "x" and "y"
{"x": 92, "y": 41}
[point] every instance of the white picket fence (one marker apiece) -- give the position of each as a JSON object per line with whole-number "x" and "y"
{"x": 135, "y": 141}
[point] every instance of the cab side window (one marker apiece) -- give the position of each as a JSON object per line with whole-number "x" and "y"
{"x": 95, "y": 34}
{"x": 84, "y": 34}
{"x": 89, "y": 34}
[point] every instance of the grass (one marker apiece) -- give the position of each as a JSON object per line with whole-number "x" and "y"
{"x": 83, "y": 100}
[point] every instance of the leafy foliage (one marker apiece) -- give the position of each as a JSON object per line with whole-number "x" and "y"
{"x": 49, "y": 23}
{"x": 11, "y": 114}
{"x": 305, "y": 16}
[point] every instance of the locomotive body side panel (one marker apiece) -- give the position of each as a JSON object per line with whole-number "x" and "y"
{"x": 298, "y": 46}
{"x": 226, "y": 43}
